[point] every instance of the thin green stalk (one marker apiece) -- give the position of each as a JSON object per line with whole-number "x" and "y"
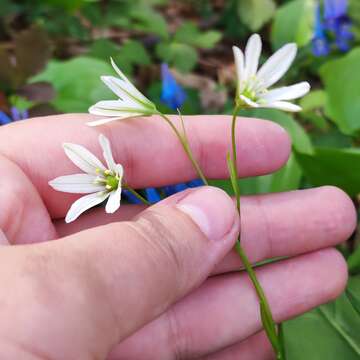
{"x": 187, "y": 149}
{"x": 266, "y": 315}
{"x": 136, "y": 194}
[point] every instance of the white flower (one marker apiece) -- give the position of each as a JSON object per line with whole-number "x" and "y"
{"x": 99, "y": 182}
{"x": 131, "y": 101}
{"x": 252, "y": 84}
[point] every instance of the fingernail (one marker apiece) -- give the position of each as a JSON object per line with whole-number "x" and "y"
{"x": 212, "y": 210}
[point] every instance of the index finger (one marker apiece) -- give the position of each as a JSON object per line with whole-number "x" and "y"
{"x": 146, "y": 147}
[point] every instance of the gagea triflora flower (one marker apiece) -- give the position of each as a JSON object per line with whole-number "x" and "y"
{"x": 99, "y": 181}
{"x": 253, "y": 84}
{"x": 131, "y": 101}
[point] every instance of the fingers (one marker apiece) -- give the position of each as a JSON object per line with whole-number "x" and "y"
{"x": 293, "y": 223}
{"x": 3, "y": 238}
{"x": 119, "y": 276}
{"x": 225, "y": 311}
{"x": 273, "y": 225}
{"x": 23, "y": 216}
{"x": 149, "y": 151}
{"x": 256, "y": 347}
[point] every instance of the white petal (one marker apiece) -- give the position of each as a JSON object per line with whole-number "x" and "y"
{"x": 110, "y": 119}
{"x": 83, "y": 158}
{"x": 249, "y": 102}
{"x": 119, "y": 171}
{"x": 239, "y": 64}
{"x": 277, "y": 65}
{"x": 105, "y": 144}
{"x": 252, "y": 55}
{"x": 133, "y": 90}
{"x": 77, "y": 184}
{"x": 283, "y": 105}
{"x": 114, "y": 201}
{"x": 84, "y": 203}
{"x": 287, "y": 92}
{"x": 121, "y": 88}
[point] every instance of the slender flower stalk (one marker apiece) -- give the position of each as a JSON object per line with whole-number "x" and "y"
{"x": 133, "y": 103}
{"x": 100, "y": 182}
{"x": 252, "y": 92}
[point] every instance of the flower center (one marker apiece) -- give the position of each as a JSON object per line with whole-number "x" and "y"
{"x": 108, "y": 178}
{"x": 112, "y": 182}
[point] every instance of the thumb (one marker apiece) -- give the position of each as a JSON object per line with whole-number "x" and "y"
{"x": 112, "y": 280}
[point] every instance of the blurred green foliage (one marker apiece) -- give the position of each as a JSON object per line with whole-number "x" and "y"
{"x": 67, "y": 43}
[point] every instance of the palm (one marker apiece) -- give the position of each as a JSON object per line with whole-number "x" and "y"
{"x": 273, "y": 225}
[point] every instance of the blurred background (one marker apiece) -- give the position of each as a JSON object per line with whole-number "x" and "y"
{"x": 52, "y": 53}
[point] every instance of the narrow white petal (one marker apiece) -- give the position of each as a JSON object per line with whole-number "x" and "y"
{"x": 287, "y": 92}
{"x": 119, "y": 171}
{"x": 105, "y": 145}
{"x": 239, "y": 65}
{"x": 252, "y": 55}
{"x": 84, "y": 203}
{"x": 83, "y": 158}
{"x": 277, "y": 65}
{"x": 107, "y": 108}
{"x": 114, "y": 201}
{"x": 132, "y": 89}
{"x": 249, "y": 102}
{"x": 120, "y": 88}
{"x": 77, "y": 184}
{"x": 283, "y": 105}
{"x": 110, "y": 119}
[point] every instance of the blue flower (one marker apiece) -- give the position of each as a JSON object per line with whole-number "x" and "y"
{"x": 172, "y": 94}
{"x": 334, "y": 9}
{"x": 4, "y": 119}
{"x": 336, "y": 26}
{"x": 15, "y": 115}
{"x": 320, "y": 44}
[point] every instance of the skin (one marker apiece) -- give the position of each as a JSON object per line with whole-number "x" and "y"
{"x": 161, "y": 282}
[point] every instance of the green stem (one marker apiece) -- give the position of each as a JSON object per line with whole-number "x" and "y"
{"x": 187, "y": 149}
{"x": 266, "y": 315}
{"x": 135, "y": 193}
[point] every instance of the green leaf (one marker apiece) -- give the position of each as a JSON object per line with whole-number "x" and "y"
{"x": 331, "y": 166}
{"x": 330, "y": 332}
{"x": 256, "y": 13}
{"x": 286, "y": 179}
{"x": 294, "y": 22}
{"x": 146, "y": 19}
{"x": 189, "y": 34}
{"x": 184, "y": 57}
{"x": 354, "y": 261}
{"x": 342, "y": 84}
{"x": 77, "y": 82}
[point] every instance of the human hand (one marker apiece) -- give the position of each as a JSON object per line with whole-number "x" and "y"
{"x": 145, "y": 287}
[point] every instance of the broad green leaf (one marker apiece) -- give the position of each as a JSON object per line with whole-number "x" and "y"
{"x": 331, "y": 166}
{"x": 354, "y": 262}
{"x": 256, "y": 13}
{"x": 184, "y": 57}
{"x": 293, "y": 23}
{"x": 146, "y": 19}
{"x": 330, "y": 332}
{"x": 188, "y": 33}
{"x": 342, "y": 84}
{"x": 286, "y": 179}
{"x": 313, "y": 105}
{"x": 77, "y": 82}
